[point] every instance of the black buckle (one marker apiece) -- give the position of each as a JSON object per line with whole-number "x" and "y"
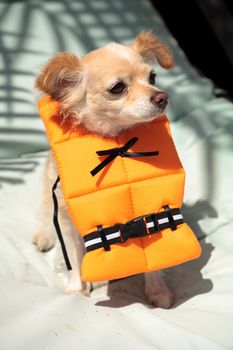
{"x": 152, "y": 218}
{"x": 172, "y": 222}
{"x": 105, "y": 242}
{"x": 134, "y": 228}
{"x": 141, "y": 226}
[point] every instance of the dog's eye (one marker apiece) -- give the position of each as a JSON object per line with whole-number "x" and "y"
{"x": 152, "y": 78}
{"x": 118, "y": 88}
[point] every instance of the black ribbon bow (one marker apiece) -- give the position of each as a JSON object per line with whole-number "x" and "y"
{"x": 122, "y": 152}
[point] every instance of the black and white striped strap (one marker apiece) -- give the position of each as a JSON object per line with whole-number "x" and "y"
{"x": 138, "y": 227}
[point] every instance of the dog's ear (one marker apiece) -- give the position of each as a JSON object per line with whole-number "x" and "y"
{"x": 59, "y": 74}
{"x": 152, "y": 49}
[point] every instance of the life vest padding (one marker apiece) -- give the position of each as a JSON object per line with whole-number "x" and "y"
{"x": 123, "y": 190}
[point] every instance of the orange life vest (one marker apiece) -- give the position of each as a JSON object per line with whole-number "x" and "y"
{"x": 128, "y": 213}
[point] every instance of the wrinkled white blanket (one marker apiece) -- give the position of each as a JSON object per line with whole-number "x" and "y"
{"x": 34, "y": 311}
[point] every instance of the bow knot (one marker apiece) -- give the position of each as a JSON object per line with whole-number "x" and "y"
{"x": 121, "y": 152}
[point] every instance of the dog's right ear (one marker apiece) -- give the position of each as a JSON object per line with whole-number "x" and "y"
{"x": 152, "y": 49}
{"x": 59, "y": 74}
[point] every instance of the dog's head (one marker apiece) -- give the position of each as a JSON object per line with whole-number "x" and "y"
{"x": 111, "y": 88}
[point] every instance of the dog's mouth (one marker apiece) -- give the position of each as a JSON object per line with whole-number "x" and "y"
{"x": 146, "y": 118}
{"x": 143, "y": 116}
{"x": 154, "y": 115}
{"x": 162, "y": 111}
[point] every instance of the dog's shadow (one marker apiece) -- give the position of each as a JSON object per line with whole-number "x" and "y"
{"x": 185, "y": 280}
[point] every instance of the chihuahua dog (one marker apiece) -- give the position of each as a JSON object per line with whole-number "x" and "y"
{"x": 107, "y": 91}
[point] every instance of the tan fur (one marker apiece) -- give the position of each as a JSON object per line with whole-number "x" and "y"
{"x": 59, "y": 75}
{"x": 82, "y": 88}
{"x": 81, "y": 85}
{"x": 152, "y": 49}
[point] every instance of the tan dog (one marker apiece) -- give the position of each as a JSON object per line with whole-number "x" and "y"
{"x": 107, "y": 91}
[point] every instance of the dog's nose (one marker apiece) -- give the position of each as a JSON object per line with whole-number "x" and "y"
{"x": 160, "y": 99}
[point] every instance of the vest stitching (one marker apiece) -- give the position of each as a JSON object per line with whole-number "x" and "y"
{"x": 128, "y": 182}
{"x": 124, "y": 184}
{"x": 132, "y": 204}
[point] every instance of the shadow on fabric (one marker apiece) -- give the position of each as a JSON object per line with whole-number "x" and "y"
{"x": 186, "y": 280}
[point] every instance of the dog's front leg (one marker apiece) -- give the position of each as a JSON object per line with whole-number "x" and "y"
{"x": 157, "y": 291}
{"x": 74, "y": 246}
{"x": 75, "y": 249}
{"x": 45, "y": 236}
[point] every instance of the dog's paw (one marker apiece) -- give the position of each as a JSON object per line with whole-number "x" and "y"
{"x": 71, "y": 290}
{"x": 157, "y": 291}
{"x": 76, "y": 286}
{"x": 163, "y": 300}
{"x": 43, "y": 242}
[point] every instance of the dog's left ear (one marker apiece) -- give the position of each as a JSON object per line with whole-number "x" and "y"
{"x": 152, "y": 49}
